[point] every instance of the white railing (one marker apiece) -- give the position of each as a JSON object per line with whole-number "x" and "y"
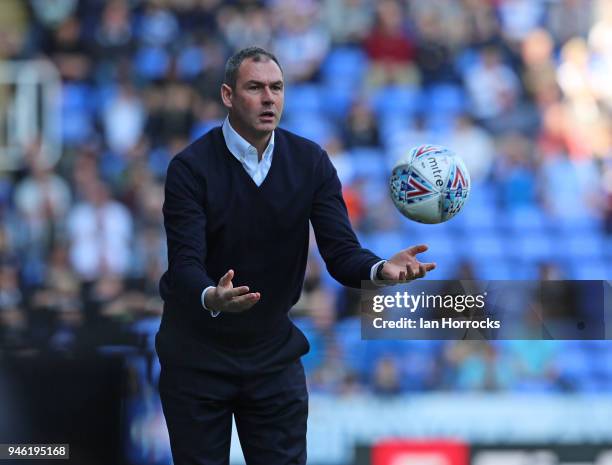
{"x": 30, "y": 111}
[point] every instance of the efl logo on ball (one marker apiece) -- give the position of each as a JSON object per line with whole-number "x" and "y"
{"x": 430, "y": 185}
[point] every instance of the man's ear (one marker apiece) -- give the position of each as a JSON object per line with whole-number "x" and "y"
{"x": 226, "y": 95}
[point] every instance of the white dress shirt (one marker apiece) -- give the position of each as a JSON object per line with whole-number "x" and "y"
{"x": 247, "y": 155}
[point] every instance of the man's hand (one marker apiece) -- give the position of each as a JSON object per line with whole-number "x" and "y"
{"x": 404, "y": 266}
{"x": 227, "y": 298}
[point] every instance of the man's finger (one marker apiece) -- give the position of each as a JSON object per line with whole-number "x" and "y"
{"x": 413, "y": 269}
{"x": 245, "y": 301}
{"x": 226, "y": 279}
{"x": 417, "y": 249}
{"x": 422, "y": 270}
{"x": 429, "y": 266}
{"x": 235, "y": 292}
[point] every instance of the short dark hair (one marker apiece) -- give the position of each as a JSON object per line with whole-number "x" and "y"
{"x": 233, "y": 63}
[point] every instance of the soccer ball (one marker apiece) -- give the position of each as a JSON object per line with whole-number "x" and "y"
{"x": 429, "y": 185}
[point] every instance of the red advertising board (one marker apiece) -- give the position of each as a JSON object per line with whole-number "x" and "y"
{"x": 406, "y": 452}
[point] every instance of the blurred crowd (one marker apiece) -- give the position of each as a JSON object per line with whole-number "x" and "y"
{"x": 518, "y": 88}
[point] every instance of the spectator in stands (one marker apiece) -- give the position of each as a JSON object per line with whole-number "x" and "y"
{"x": 518, "y": 18}
{"x": 158, "y": 25}
{"x": 476, "y": 146}
{"x": 176, "y": 116}
{"x": 475, "y": 366}
{"x": 13, "y": 29}
{"x": 386, "y": 376}
{"x": 569, "y": 18}
{"x": 434, "y": 52}
{"x": 69, "y": 51}
{"x": 11, "y": 296}
{"x": 123, "y": 120}
{"x": 301, "y": 43}
{"x": 361, "y": 128}
{"x": 514, "y": 171}
{"x": 248, "y": 27}
{"x": 481, "y": 23}
{"x": 42, "y": 200}
{"x": 113, "y": 38}
{"x": 492, "y": 85}
{"x": 391, "y": 51}
{"x": 100, "y": 231}
{"x": 539, "y": 72}
{"x": 348, "y": 21}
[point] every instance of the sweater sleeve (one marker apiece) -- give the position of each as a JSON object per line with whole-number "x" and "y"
{"x": 185, "y": 223}
{"x": 346, "y": 260}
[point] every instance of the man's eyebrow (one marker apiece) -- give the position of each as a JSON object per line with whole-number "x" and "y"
{"x": 253, "y": 81}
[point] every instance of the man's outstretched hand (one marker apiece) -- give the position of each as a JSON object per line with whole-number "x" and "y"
{"x": 227, "y": 298}
{"x": 404, "y": 266}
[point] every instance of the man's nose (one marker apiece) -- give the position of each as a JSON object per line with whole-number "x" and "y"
{"x": 267, "y": 96}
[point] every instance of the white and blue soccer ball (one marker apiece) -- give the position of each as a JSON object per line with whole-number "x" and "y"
{"x": 430, "y": 185}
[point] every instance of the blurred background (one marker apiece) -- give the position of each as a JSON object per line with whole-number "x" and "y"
{"x": 97, "y": 96}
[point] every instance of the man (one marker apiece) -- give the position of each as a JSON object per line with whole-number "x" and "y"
{"x": 237, "y": 210}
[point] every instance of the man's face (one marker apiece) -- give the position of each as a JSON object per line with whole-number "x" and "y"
{"x": 256, "y": 104}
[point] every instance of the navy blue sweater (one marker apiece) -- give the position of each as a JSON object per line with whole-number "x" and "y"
{"x": 217, "y": 218}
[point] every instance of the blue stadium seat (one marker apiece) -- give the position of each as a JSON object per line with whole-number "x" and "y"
{"x": 574, "y": 365}
{"x": 352, "y": 347}
{"x": 608, "y": 247}
{"x": 311, "y": 126}
{"x": 151, "y": 62}
{"x": 603, "y": 365}
{"x": 397, "y": 101}
{"x": 441, "y": 244}
{"x": 478, "y": 219}
{"x": 585, "y": 245}
{"x": 103, "y": 94}
{"x": 190, "y": 62}
{"x": 76, "y": 110}
{"x": 578, "y": 224}
{"x": 440, "y": 124}
{"x": 417, "y": 366}
{"x": 533, "y": 246}
{"x": 338, "y": 97}
{"x": 483, "y": 193}
{"x": 391, "y": 125}
{"x": 316, "y": 355}
{"x": 466, "y": 59}
{"x": 589, "y": 269}
{"x": 348, "y": 64}
{"x": 202, "y": 127}
{"x": 369, "y": 163}
{"x": 303, "y": 98}
{"x": 446, "y": 99}
{"x": 527, "y": 218}
{"x": 493, "y": 269}
{"x": 526, "y": 269}
{"x": 77, "y": 97}
{"x": 386, "y": 243}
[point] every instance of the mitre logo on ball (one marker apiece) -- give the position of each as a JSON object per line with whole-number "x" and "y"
{"x": 430, "y": 185}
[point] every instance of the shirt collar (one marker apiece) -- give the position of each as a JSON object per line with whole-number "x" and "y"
{"x": 239, "y": 147}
